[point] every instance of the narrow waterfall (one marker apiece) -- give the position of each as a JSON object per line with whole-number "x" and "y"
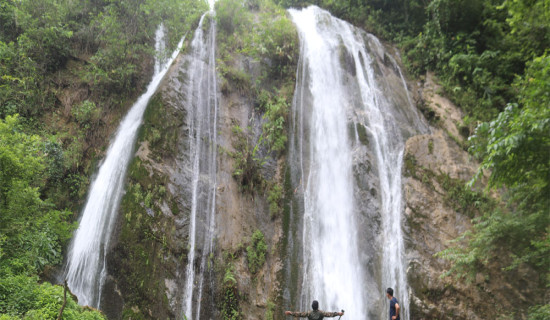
{"x": 85, "y": 270}
{"x": 202, "y": 106}
{"x": 160, "y": 49}
{"x": 351, "y": 115}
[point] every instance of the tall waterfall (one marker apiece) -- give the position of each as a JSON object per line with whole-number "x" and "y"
{"x": 86, "y": 264}
{"x": 350, "y": 110}
{"x": 202, "y": 106}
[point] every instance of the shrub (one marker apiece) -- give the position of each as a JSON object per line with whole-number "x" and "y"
{"x": 274, "y": 198}
{"x": 86, "y": 112}
{"x": 256, "y": 252}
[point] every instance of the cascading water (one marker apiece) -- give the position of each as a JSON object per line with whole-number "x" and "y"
{"x": 202, "y": 106}
{"x": 86, "y": 262}
{"x": 331, "y": 272}
{"x": 160, "y": 49}
{"x": 351, "y": 251}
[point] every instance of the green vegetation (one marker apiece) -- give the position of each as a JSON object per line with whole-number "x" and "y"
{"x": 270, "y": 310}
{"x": 146, "y": 248}
{"x": 38, "y": 301}
{"x": 540, "y": 312}
{"x": 68, "y": 71}
{"x": 229, "y": 305}
{"x": 247, "y": 167}
{"x": 262, "y": 32}
{"x": 258, "y": 29}
{"x": 491, "y": 56}
{"x": 515, "y": 148}
{"x": 275, "y": 200}
{"x": 33, "y": 232}
{"x": 255, "y": 252}
{"x": 275, "y": 107}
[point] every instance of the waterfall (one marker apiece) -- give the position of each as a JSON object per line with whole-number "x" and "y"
{"x": 85, "y": 270}
{"x": 202, "y": 106}
{"x": 331, "y": 270}
{"x": 352, "y": 240}
{"x": 160, "y": 49}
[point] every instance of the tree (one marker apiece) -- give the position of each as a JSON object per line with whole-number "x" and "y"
{"x": 515, "y": 149}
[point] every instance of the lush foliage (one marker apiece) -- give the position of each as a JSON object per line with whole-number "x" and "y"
{"x": 275, "y": 109}
{"x": 112, "y": 37}
{"x": 476, "y": 47}
{"x": 492, "y": 58}
{"x": 38, "y": 301}
{"x": 539, "y": 312}
{"x": 515, "y": 148}
{"x": 71, "y": 68}
{"x": 262, "y": 32}
{"x": 68, "y": 70}
{"x": 270, "y": 38}
{"x": 32, "y": 231}
{"x": 275, "y": 200}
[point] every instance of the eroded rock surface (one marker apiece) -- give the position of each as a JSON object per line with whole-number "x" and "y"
{"x": 432, "y": 223}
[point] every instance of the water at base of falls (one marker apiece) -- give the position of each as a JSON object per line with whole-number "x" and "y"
{"x": 202, "y": 106}
{"x": 351, "y": 236}
{"x": 85, "y": 270}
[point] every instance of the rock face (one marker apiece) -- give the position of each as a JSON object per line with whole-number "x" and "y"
{"x": 148, "y": 259}
{"x": 149, "y": 242}
{"x": 240, "y": 213}
{"x": 433, "y": 221}
{"x": 149, "y": 255}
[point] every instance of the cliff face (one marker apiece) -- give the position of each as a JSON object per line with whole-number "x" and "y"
{"x": 150, "y": 240}
{"x": 148, "y": 259}
{"x": 240, "y": 213}
{"x": 433, "y": 163}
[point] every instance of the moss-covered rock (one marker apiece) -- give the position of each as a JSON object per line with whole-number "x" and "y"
{"x": 148, "y": 248}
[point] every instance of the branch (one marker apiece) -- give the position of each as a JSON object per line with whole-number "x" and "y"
{"x": 60, "y": 316}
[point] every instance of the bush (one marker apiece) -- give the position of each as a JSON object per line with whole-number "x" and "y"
{"x": 540, "y": 312}
{"x": 86, "y": 112}
{"x": 230, "y": 296}
{"x": 255, "y": 252}
{"x": 231, "y": 16}
{"x": 274, "y": 198}
{"x": 274, "y": 129}
{"x": 22, "y": 296}
{"x": 246, "y": 168}
{"x": 276, "y": 39}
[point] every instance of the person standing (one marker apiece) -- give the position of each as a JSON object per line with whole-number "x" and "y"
{"x": 394, "y": 305}
{"x": 316, "y": 314}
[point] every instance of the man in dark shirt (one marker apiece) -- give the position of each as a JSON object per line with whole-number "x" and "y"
{"x": 394, "y": 305}
{"x": 316, "y": 314}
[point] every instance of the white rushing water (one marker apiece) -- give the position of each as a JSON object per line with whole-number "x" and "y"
{"x": 86, "y": 262}
{"x": 333, "y": 271}
{"x": 160, "y": 50}
{"x": 202, "y": 105}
